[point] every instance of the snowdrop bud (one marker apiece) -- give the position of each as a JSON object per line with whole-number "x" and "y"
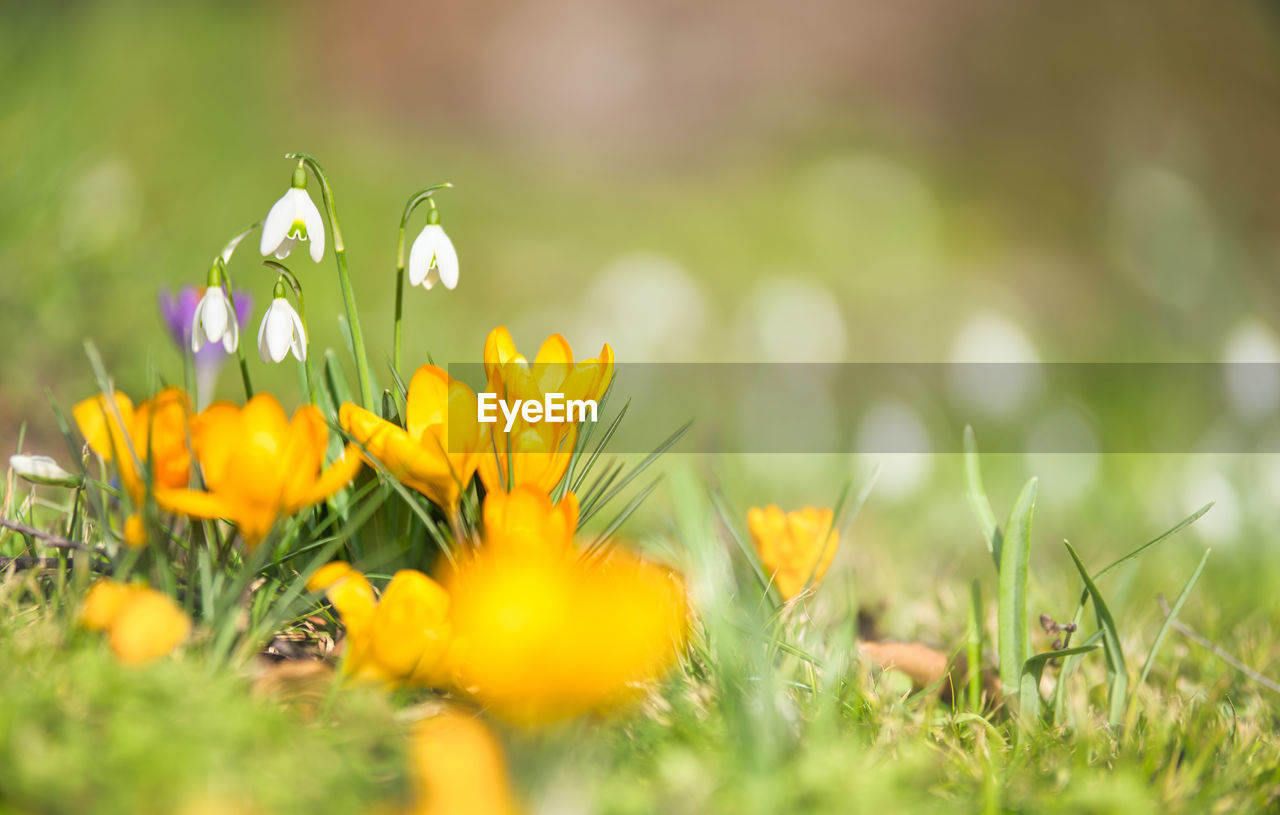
{"x": 433, "y": 257}
{"x": 215, "y": 319}
{"x": 281, "y": 330}
{"x": 43, "y": 470}
{"x": 291, "y": 219}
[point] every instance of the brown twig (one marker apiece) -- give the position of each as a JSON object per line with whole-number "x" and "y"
{"x": 46, "y": 538}
{"x": 24, "y": 563}
{"x": 1190, "y": 633}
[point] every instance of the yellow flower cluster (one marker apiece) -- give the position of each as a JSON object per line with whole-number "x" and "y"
{"x": 439, "y": 459}
{"x": 256, "y": 463}
{"x": 525, "y": 624}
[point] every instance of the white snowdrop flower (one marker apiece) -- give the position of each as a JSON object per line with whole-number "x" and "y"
{"x": 433, "y": 258}
{"x": 293, "y": 218}
{"x": 215, "y": 319}
{"x": 281, "y": 331}
{"x": 42, "y": 470}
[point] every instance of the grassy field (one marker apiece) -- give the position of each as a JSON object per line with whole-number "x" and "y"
{"x": 807, "y": 230}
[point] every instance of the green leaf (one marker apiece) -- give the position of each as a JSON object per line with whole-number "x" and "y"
{"x": 1015, "y": 557}
{"x": 1033, "y": 669}
{"x": 978, "y": 496}
{"x": 1117, "y": 672}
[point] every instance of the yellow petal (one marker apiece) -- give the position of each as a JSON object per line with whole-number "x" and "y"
{"x": 103, "y": 602}
{"x": 499, "y": 349}
{"x": 409, "y": 632}
{"x": 148, "y": 625}
{"x": 100, "y": 426}
{"x": 194, "y": 503}
{"x": 349, "y": 592}
{"x": 427, "y": 402}
{"x": 458, "y": 768}
{"x": 339, "y": 475}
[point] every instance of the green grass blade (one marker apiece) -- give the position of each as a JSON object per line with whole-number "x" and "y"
{"x": 1169, "y": 533}
{"x": 978, "y": 500}
{"x": 974, "y": 645}
{"x": 1015, "y": 558}
{"x": 1173, "y": 615}
{"x": 635, "y": 472}
{"x": 1117, "y": 671}
{"x": 620, "y": 519}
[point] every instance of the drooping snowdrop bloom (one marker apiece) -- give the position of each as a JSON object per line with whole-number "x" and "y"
{"x": 179, "y": 312}
{"x": 42, "y": 470}
{"x": 433, "y": 258}
{"x": 215, "y": 319}
{"x": 293, "y": 218}
{"x": 281, "y": 330}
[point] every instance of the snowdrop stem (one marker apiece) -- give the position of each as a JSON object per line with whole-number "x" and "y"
{"x": 414, "y": 201}
{"x": 344, "y": 278}
{"x": 231, "y": 297}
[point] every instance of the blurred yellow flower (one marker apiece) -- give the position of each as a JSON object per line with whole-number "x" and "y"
{"x": 152, "y": 433}
{"x": 429, "y": 455}
{"x": 524, "y": 624}
{"x": 793, "y": 546}
{"x": 541, "y": 633}
{"x": 457, "y": 767}
{"x": 400, "y": 639}
{"x": 258, "y": 465}
{"x": 539, "y": 452}
{"x": 142, "y": 624}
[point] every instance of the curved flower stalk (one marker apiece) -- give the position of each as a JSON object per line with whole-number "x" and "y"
{"x": 436, "y": 251}
{"x": 535, "y": 631}
{"x": 291, "y": 219}
{"x": 146, "y": 443}
{"x": 259, "y": 466}
{"x": 438, "y": 450}
{"x": 536, "y": 453}
{"x": 399, "y": 639}
{"x": 794, "y": 547}
{"x": 282, "y": 330}
{"x": 344, "y": 275}
{"x": 142, "y": 624}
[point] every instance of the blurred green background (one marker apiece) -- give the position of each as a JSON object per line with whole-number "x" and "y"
{"x": 799, "y": 181}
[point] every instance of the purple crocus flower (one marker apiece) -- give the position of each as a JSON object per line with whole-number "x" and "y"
{"x": 179, "y": 312}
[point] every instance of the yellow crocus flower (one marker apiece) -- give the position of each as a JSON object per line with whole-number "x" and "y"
{"x": 541, "y": 633}
{"x": 793, "y": 545}
{"x": 399, "y": 639}
{"x": 153, "y": 433}
{"x": 259, "y": 465}
{"x": 539, "y": 452}
{"x": 142, "y": 624}
{"x": 437, "y": 451}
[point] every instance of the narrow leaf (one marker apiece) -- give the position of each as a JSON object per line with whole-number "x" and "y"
{"x": 978, "y": 500}
{"x": 1015, "y": 557}
{"x": 1116, "y": 669}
